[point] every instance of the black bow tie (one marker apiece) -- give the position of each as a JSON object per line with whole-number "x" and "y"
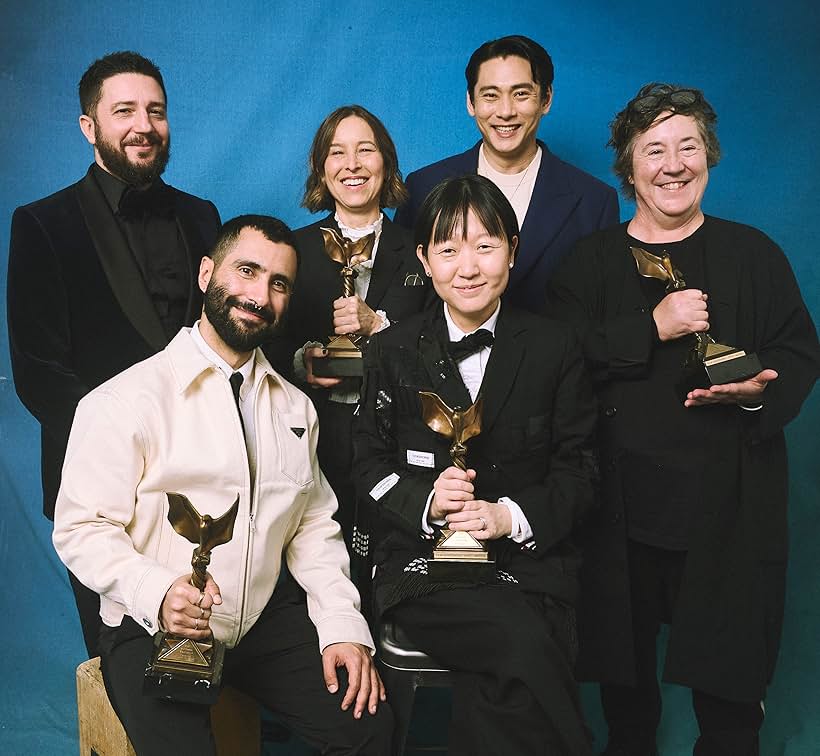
{"x": 475, "y": 342}
{"x": 137, "y": 203}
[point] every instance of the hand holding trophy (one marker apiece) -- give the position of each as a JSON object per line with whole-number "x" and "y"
{"x": 344, "y": 357}
{"x": 181, "y": 668}
{"x": 457, "y": 556}
{"x": 708, "y": 363}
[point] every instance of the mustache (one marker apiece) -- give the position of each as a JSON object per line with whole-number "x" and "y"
{"x": 142, "y": 141}
{"x": 263, "y": 312}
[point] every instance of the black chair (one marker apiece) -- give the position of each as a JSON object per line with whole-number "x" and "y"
{"x": 403, "y": 669}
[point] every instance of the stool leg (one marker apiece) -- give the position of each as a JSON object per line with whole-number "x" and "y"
{"x": 401, "y": 692}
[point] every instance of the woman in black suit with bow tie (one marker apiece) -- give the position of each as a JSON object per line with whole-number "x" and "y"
{"x": 528, "y": 482}
{"x": 354, "y": 173}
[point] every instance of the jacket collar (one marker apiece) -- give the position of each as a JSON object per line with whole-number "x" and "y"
{"x": 118, "y": 263}
{"x": 188, "y": 362}
{"x": 502, "y": 368}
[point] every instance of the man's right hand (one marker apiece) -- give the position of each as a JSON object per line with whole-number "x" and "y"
{"x": 452, "y": 488}
{"x": 186, "y": 610}
{"x": 681, "y": 313}
{"x": 308, "y": 356}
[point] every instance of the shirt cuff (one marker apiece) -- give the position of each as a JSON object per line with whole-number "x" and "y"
{"x": 425, "y": 526}
{"x": 520, "y": 530}
{"x": 385, "y": 321}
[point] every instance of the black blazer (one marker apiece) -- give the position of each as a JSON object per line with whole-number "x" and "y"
{"x": 566, "y": 205}
{"x": 535, "y": 445}
{"x": 318, "y": 283}
{"x": 78, "y": 309}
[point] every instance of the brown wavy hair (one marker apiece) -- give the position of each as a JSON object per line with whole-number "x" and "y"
{"x": 317, "y": 197}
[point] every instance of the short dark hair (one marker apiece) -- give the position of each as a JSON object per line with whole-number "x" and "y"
{"x": 317, "y": 197}
{"x": 644, "y": 109}
{"x": 519, "y": 46}
{"x": 445, "y": 209}
{"x": 110, "y": 65}
{"x": 271, "y": 228}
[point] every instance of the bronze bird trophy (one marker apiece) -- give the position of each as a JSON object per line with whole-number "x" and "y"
{"x": 344, "y": 357}
{"x": 180, "y": 668}
{"x": 457, "y": 556}
{"x": 709, "y": 362}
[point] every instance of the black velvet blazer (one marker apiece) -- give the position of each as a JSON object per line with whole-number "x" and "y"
{"x": 78, "y": 309}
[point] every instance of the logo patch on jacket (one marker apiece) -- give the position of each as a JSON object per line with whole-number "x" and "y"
{"x": 298, "y": 432}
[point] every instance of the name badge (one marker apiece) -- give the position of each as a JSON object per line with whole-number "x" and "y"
{"x": 420, "y": 458}
{"x": 383, "y": 486}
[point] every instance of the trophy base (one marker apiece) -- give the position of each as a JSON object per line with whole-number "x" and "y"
{"x": 729, "y": 366}
{"x": 458, "y": 571}
{"x": 184, "y": 670}
{"x": 344, "y": 359}
{"x": 338, "y": 367}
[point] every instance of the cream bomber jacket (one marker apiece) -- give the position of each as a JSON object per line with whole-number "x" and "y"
{"x": 170, "y": 424}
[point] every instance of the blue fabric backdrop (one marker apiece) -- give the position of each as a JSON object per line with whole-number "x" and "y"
{"x": 248, "y": 83}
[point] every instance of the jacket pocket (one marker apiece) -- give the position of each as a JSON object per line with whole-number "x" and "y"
{"x": 293, "y": 442}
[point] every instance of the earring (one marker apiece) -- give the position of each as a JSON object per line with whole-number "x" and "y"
{"x": 511, "y": 265}
{"x": 428, "y": 273}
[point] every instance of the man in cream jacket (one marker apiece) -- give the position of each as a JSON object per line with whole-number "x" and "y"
{"x": 209, "y": 418}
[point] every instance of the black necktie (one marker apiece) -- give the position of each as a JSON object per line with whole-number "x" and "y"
{"x": 475, "y": 342}
{"x": 236, "y": 384}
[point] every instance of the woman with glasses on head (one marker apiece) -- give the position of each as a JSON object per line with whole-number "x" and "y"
{"x": 508, "y": 634}
{"x": 354, "y": 174}
{"x": 692, "y": 529}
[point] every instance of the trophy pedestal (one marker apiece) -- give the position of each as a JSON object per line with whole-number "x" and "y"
{"x": 460, "y": 558}
{"x": 344, "y": 360}
{"x": 184, "y": 670}
{"x": 720, "y": 364}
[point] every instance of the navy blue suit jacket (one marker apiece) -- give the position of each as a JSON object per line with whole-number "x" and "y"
{"x": 567, "y": 204}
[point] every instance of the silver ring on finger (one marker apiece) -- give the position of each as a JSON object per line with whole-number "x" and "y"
{"x": 201, "y": 596}
{"x": 483, "y": 523}
{"x": 196, "y": 624}
{"x": 201, "y": 612}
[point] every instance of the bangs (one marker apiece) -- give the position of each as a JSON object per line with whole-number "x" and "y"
{"x": 452, "y": 219}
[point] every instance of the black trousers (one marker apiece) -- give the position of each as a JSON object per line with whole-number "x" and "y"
{"x": 727, "y": 728}
{"x": 277, "y": 663}
{"x": 335, "y": 453}
{"x": 513, "y": 654}
{"x": 88, "y": 607}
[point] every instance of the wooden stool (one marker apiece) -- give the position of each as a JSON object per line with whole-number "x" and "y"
{"x": 234, "y": 719}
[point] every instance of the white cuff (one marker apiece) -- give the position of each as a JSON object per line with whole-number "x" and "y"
{"x": 520, "y": 530}
{"x": 385, "y": 322}
{"x": 425, "y": 526}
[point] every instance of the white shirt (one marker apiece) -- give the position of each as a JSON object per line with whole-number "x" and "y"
{"x": 516, "y": 187}
{"x": 472, "y": 370}
{"x": 247, "y": 396}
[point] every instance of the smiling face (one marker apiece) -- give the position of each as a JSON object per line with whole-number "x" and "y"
{"x": 669, "y": 173}
{"x": 507, "y": 106}
{"x": 469, "y": 271}
{"x": 354, "y": 172}
{"x": 246, "y": 294}
{"x": 129, "y": 128}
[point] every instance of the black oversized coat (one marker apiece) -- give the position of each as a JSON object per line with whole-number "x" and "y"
{"x": 726, "y": 629}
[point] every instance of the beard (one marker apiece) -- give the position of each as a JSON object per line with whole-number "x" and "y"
{"x": 116, "y": 160}
{"x": 238, "y": 335}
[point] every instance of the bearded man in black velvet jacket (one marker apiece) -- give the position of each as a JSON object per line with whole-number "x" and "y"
{"x": 114, "y": 257}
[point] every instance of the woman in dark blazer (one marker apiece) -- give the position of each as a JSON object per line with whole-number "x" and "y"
{"x": 528, "y": 482}
{"x": 354, "y": 173}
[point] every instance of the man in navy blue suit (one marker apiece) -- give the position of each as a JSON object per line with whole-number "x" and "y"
{"x": 509, "y": 91}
